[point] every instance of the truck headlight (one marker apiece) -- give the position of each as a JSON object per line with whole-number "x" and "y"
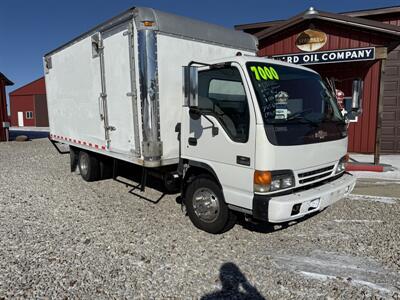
{"x": 266, "y": 181}
{"x": 287, "y": 182}
{"x": 341, "y": 167}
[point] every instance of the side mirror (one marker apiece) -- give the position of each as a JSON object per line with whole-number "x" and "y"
{"x": 190, "y": 86}
{"x": 351, "y": 116}
{"x": 356, "y": 100}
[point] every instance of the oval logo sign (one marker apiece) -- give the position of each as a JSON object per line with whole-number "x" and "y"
{"x": 311, "y": 40}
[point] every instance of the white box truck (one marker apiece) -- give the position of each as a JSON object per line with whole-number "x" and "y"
{"x": 191, "y": 102}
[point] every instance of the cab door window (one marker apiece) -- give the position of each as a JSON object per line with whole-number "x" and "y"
{"x": 222, "y": 95}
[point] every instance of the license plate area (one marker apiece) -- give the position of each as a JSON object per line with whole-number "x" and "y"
{"x": 310, "y": 205}
{"x": 306, "y": 206}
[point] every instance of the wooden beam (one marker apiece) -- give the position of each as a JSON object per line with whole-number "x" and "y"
{"x": 381, "y": 52}
{"x": 377, "y": 151}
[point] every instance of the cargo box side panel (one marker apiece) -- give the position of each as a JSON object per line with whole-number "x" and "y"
{"x": 173, "y": 53}
{"x": 73, "y": 89}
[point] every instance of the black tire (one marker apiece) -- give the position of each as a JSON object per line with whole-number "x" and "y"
{"x": 219, "y": 222}
{"x": 89, "y": 166}
{"x": 73, "y": 156}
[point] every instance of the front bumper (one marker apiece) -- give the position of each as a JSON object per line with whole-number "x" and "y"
{"x": 286, "y": 208}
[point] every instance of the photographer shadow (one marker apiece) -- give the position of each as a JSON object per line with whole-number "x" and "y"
{"x": 234, "y": 285}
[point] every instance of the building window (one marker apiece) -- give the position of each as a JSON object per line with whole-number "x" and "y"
{"x": 29, "y": 115}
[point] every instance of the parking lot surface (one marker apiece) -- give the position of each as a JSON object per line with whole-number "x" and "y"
{"x": 61, "y": 237}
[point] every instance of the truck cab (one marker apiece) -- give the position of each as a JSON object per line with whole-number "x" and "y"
{"x": 262, "y": 137}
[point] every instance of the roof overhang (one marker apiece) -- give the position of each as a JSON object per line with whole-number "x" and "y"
{"x": 6, "y": 80}
{"x": 312, "y": 14}
{"x": 373, "y": 12}
{"x": 366, "y": 13}
{"x": 260, "y": 25}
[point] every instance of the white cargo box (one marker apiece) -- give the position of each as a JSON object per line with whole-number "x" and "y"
{"x": 117, "y": 89}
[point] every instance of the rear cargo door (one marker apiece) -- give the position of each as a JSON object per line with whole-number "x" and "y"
{"x": 121, "y": 103}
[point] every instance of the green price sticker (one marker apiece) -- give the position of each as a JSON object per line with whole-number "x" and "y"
{"x": 264, "y": 73}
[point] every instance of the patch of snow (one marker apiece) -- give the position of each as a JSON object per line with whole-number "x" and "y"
{"x": 387, "y": 200}
{"x": 371, "y": 285}
{"x": 324, "y": 277}
{"x": 357, "y": 221}
{"x": 324, "y": 265}
{"x": 387, "y": 182}
{"x": 317, "y": 275}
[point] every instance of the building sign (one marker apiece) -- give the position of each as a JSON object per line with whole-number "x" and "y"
{"x": 311, "y": 40}
{"x": 324, "y": 57}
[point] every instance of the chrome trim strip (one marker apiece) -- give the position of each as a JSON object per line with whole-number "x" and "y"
{"x": 149, "y": 96}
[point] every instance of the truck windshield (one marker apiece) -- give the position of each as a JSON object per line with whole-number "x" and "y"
{"x": 296, "y": 105}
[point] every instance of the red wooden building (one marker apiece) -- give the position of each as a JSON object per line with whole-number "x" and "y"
{"x": 4, "y": 81}
{"x": 362, "y": 44}
{"x": 28, "y": 105}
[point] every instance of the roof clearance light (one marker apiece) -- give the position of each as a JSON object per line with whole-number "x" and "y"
{"x": 148, "y": 23}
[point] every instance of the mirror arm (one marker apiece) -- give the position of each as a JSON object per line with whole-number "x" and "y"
{"x": 214, "y": 129}
{"x": 196, "y": 111}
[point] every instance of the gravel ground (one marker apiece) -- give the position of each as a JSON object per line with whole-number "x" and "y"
{"x": 61, "y": 237}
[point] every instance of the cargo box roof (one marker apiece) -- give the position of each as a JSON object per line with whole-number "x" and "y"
{"x": 174, "y": 25}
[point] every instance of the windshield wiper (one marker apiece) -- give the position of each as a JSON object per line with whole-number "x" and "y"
{"x": 300, "y": 116}
{"x": 308, "y": 121}
{"x": 299, "y": 119}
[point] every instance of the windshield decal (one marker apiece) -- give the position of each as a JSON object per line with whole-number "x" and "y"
{"x": 264, "y": 73}
{"x": 281, "y": 105}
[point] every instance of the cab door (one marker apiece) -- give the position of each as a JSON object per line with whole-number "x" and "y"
{"x": 222, "y": 135}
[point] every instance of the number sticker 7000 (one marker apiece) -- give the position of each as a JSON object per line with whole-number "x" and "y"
{"x": 264, "y": 73}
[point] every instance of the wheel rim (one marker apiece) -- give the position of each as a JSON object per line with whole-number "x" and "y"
{"x": 84, "y": 164}
{"x": 206, "y": 205}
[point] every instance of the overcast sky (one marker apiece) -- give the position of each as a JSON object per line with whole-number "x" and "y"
{"x": 31, "y": 28}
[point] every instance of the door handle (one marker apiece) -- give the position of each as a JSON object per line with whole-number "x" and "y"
{"x": 101, "y": 108}
{"x": 243, "y": 160}
{"x": 192, "y": 141}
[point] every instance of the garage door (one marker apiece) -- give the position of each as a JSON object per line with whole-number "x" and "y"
{"x": 390, "y": 141}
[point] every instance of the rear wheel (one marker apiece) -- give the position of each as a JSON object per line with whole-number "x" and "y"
{"x": 206, "y": 206}
{"x": 89, "y": 166}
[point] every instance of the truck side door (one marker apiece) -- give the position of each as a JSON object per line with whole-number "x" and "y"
{"x": 121, "y": 103}
{"x": 225, "y": 103}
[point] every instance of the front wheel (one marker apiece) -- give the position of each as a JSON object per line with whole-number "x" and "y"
{"x": 206, "y": 206}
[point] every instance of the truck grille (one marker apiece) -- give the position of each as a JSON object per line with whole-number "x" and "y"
{"x": 315, "y": 174}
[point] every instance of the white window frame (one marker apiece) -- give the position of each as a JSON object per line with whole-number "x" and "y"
{"x": 29, "y": 115}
